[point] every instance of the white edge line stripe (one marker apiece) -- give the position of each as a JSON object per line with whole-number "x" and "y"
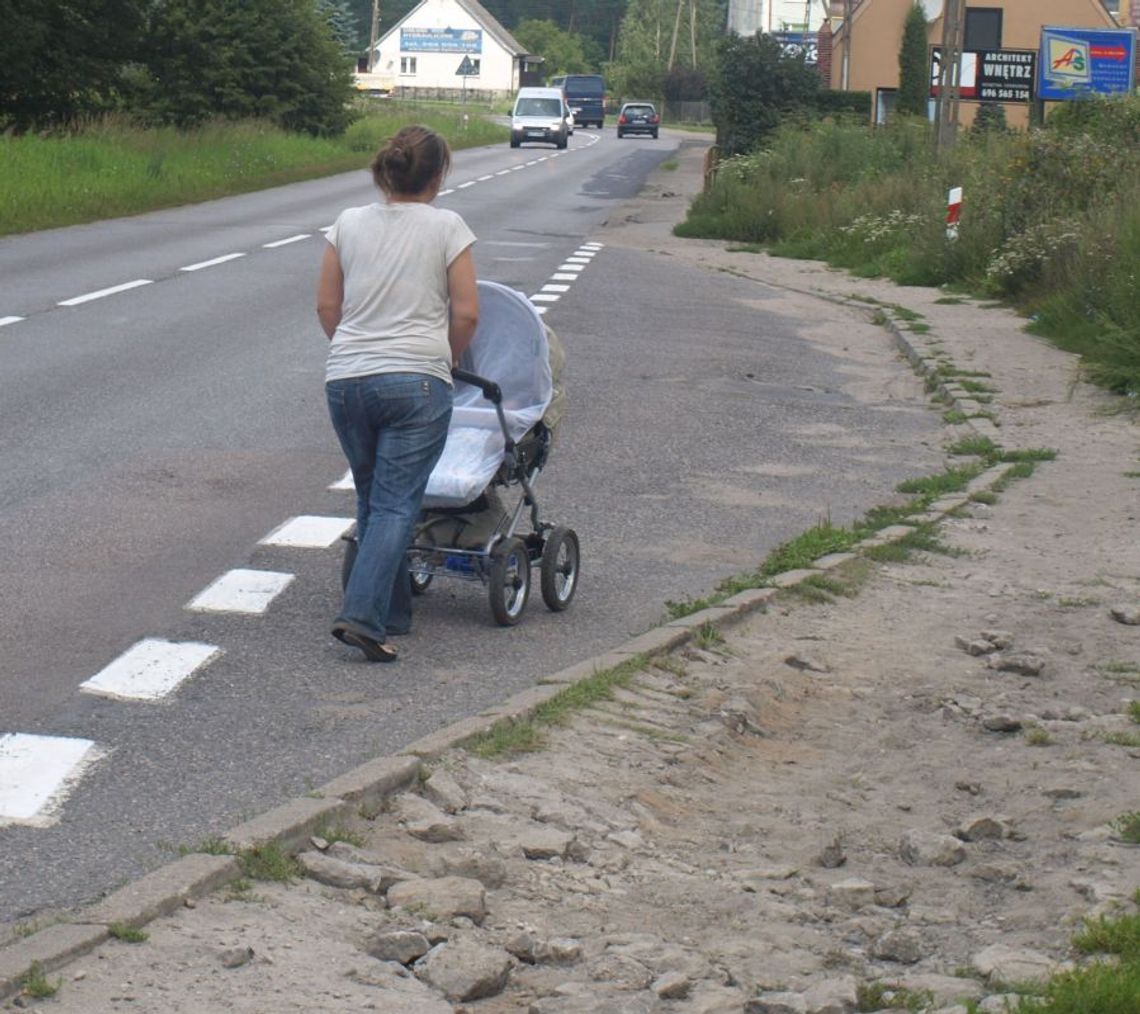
{"x": 503, "y": 172}
{"x": 541, "y": 309}
{"x": 489, "y": 176}
{"x": 544, "y": 297}
{"x": 345, "y": 481}
{"x": 38, "y": 772}
{"x": 87, "y": 297}
{"x": 568, "y": 266}
{"x": 556, "y": 288}
{"x": 210, "y": 263}
{"x": 464, "y": 186}
{"x": 444, "y": 193}
{"x": 150, "y": 669}
{"x": 563, "y": 278}
{"x": 516, "y": 168}
{"x": 282, "y": 242}
{"x": 4, "y": 321}
{"x": 308, "y": 531}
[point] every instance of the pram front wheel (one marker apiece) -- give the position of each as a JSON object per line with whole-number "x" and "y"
{"x": 420, "y": 580}
{"x": 559, "y": 571}
{"x": 508, "y": 583}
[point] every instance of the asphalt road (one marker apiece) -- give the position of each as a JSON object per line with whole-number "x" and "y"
{"x": 149, "y": 438}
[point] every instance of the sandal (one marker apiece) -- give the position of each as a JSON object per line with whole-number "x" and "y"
{"x": 374, "y": 651}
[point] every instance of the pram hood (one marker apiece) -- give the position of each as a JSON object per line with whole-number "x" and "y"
{"x": 509, "y": 347}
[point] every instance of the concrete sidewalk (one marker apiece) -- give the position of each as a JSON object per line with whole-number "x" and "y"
{"x": 877, "y": 773}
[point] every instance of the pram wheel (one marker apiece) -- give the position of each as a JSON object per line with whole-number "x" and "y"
{"x": 559, "y": 572}
{"x": 420, "y": 581}
{"x": 508, "y": 583}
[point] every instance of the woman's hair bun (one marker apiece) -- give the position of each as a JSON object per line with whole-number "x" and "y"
{"x": 411, "y": 161}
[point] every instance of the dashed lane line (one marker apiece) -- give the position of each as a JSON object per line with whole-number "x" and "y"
{"x": 241, "y": 591}
{"x": 88, "y": 296}
{"x": 285, "y": 242}
{"x": 37, "y": 773}
{"x": 5, "y": 321}
{"x": 344, "y": 482}
{"x": 212, "y": 262}
{"x": 150, "y": 669}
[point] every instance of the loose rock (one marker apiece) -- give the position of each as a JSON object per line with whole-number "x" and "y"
{"x": 465, "y": 971}
{"x": 925, "y": 848}
{"x": 442, "y": 898}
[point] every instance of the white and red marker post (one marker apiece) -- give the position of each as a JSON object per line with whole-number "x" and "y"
{"x": 953, "y": 212}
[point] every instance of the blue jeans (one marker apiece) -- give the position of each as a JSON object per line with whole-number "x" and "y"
{"x": 392, "y": 428}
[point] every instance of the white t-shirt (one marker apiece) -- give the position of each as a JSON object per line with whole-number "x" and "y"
{"x": 394, "y": 317}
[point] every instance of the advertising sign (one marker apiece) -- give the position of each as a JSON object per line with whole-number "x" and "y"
{"x": 997, "y": 75}
{"x": 1083, "y": 61}
{"x": 441, "y": 40}
{"x": 795, "y": 44}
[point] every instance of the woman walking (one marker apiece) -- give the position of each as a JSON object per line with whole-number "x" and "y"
{"x": 398, "y": 302}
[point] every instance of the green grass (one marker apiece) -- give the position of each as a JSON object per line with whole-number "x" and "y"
{"x": 128, "y": 934}
{"x": 514, "y": 736}
{"x": 1127, "y": 826}
{"x": 1134, "y": 711}
{"x": 1036, "y": 736}
{"x": 1126, "y": 739}
{"x": 111, "y": 168}
{"x": 269, "y": 862}
{"x": 933, "y": 487}
{"x": 707, "y": 637}
{"x": 978, "y": 446}
{"x": 338, "y": 833}
{"x": 36, "y": 985}
{"x": 877, "y": 996}
{"x": 950, "y": 300}
{"x": 984, "y": 496}
{"x": 953, "y": 417}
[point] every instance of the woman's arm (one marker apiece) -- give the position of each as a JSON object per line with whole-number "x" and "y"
{"x": 330, "y": 292}
{"x": 464, "y": 297}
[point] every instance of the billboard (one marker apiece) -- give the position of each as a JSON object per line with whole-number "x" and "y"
{"x": 796, "y": 44}
{"x": 441, "y": 40}
{"x": 996, "y": 75}
{"x": 1084, "y": 61}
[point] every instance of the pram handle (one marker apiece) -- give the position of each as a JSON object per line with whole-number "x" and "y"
{"x": 491, "y": 391}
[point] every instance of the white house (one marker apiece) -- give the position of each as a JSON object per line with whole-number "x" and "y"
{"x": 446, "y": 49}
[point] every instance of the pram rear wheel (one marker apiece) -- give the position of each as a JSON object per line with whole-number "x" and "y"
{"x": 508, "y": 583}
{"x": 559, "y": 571}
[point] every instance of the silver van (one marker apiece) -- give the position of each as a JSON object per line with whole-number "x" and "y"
{"x": 540, "y": 114}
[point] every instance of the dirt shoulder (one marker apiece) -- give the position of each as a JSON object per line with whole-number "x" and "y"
{"x": 909, "y": 781}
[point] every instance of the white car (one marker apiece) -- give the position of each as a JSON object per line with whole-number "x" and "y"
{"x": 541, "y": 114}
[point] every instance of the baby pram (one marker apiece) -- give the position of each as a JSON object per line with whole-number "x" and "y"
{"x": 507, "y": 407}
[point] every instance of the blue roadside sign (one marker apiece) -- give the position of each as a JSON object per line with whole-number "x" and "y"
{"x": 1082, "y": 61}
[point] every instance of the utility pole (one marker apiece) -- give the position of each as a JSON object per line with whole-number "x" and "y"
{"x": 373, "y": 35}
{"x": 947, "y": 105}
{"x": 676, "y": 32}
{"x": 848, "y": 25}
{"x": 693, "y": 30}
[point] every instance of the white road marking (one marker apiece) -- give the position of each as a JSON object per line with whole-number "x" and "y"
{"x": 4, "y": 321}
{"x": 568, "y": 266}
{"x": 87, "y": 297}
{"x": 444, "y": 193}
{"x": 565, "y": 277}
{"x": 516, "y": 168}
{"x": 510, "y": 242}
{"x": 241, "y": 591}
{"x": 326, "y": 228}
{"x": 464, "y": 186}
{"x": 576, "y": 259}
{"x": 345, "y": 481}
{"x": 283, "y": 242}
{"x": 544, "y": 297}
{"x": 588, "y": 254}
{"x": 503, "y": 172}
{"x": 309, "y": 532}
{"x": 541, "y": 309}
{"x": 592, "y": 246}
{"x": 556, "y": 288}
{"x": 150, "y": 670}
{"x": 534, "y": 161}
{"x": 37, "y": 772}
{"x": 489, "y": 176}
{"x": 213, "y": 261}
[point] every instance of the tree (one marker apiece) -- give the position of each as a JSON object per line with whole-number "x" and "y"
{"x": 562, "y": 52}
{"x": 343, "y": 26}
{"x": 659, "y": 36}
{"x": 914, "y": 65}
{"x": 754, "y": 88}
{"x": 60, "y": 60}
{"x": 266, "y": 59}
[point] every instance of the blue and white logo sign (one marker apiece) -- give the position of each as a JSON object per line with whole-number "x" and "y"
{"x": 441, "y": 40}
{"x": 1079, "y": 61}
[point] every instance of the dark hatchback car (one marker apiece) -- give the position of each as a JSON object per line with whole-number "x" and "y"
{"x": 638, "y": 118}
